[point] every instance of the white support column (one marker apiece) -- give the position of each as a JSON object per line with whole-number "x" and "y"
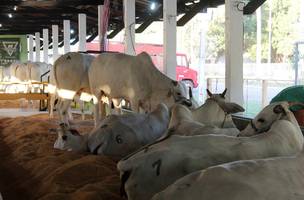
{"x": 129, "y": 19}
{"x": 37, "y": 46}
{"x": 170, "y": 9}
{"x": 66, "y": 35}
{"x": 234, "y": 51}
{"x": 46, "y": 45}
{"x": 55, "y": 42}
{"x": 82, "y": 33}
{"x": 30, "y": 48}
{"x": 100, "y": 27}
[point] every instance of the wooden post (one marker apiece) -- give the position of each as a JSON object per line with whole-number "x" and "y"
{"x": 234, "y": 50}
{"x": 82, "y": 32}
{"x": 37, "y": 46}
{"x": 31, "y": 47}
{"x": 66, "y": 35}
{"x": 46, "y": 45}
{"x": 129, "y": 19}
{"x": 55, "y": 42}
{"x": 170, "y": 12}
{"x": 264, "y": 93}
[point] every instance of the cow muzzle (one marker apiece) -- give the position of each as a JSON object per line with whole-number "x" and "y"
{"x": 186, "y": 102}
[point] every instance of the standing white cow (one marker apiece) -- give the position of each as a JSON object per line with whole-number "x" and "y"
{"x": 133, "y": 78}
{"x": 279, "y": 178}
{"x": 70, "y": 73}
{"x": 155, "y": 167}
{"x": 120, "y": 135}
{"x": 27, "y": 72}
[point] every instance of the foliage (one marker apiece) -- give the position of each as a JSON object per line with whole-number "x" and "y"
{"x": 285, "y": 23}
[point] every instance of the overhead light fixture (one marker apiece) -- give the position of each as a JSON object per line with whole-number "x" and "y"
{"x": 0, "y": 25}
{"x": 152, "y": 6}
{"x": 10, "y": 15}
{"x": 72, "y": 31}
{"x": 15, "y": 8}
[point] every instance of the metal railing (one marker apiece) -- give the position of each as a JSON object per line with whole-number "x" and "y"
{"x": 257, "y": 92}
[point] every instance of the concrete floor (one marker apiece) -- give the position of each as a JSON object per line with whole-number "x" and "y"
{"x": 18, "y": 112}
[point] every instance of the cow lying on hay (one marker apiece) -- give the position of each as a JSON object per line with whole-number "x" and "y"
{"x": 213, "y": 117}
{"x": 277, "y": 178}
{"x": 156, "y": 166}
{"x": 117, "y": 135}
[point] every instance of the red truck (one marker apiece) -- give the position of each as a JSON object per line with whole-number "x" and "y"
{"x": 183, "y": 71}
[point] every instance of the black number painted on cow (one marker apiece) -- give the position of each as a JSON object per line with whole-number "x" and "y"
{"x": 118, "y": 139}
{"x": 157, "y": 164}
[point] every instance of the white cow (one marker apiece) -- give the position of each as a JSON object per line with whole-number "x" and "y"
{"x": 216, "y": 111}
{"x": 69, "y": 139}
{"x": 155, "y": 167}
{"x": 133, "y": 78}
{"x": 182, "y": 123}
{"x": 117, "y": 135}
{"x": 70, "y": 73}
{"x": 120, "y": 135}
{"x": 279, "y": 178}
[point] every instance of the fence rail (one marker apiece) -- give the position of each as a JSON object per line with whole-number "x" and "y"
{"x": 257, "y": 91}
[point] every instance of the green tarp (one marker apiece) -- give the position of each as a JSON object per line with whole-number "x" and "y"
{"x": 291, "y": 94}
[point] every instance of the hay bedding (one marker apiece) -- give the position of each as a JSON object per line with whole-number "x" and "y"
{"x": 31, "y": 169}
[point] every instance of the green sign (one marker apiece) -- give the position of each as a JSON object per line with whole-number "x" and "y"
{"x": 9, "y": 51}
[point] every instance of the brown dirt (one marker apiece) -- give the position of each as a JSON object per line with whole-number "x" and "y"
{"x": 10, "y": 103}
{"x": 30, "y": 168}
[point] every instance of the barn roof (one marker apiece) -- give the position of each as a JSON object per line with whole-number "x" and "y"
{"x": 30, "y": 16}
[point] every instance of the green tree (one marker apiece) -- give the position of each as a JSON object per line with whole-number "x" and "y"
{"x": 285, "y": 17}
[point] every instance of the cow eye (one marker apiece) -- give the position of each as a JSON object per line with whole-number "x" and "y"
{"x": 64, "y": 137}
{"x": 261, "y": 120}
{"x": 104, "y": 126}
{"x": 179, "y": 94}
{"x": 118, "y": 139}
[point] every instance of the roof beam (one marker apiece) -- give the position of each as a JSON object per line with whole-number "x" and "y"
{"x": 192, "y": 12}
{"x": 150, "y": 19}
{"x": 115, "y": 31}
{"x": 251, "y": 7}
{"x": 50, "y": 3}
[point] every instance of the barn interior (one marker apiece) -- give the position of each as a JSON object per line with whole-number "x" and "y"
{"x": 30, "y": 167}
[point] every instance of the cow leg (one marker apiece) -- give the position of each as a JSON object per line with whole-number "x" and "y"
{"x": 52, "y": 105}
{"x": 96, "y": 102}
{"x": 117, "y": 106}
{"x": 82, "y": 110}
{"x": 64, "y": 110}
{"x": 81, "y": 104}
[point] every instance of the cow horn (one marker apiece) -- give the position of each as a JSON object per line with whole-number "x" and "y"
{"x": 209, "y": 93}
{"x": 190, "y": 93}
{"x": 224, "y": 93}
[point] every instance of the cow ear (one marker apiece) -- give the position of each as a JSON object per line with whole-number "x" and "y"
{"x": 169, "y": 93}
{"x": 53, "y": 131}
{"x": 209, "y": 93}
{"x": 224, "y": 93}
{"x": 74, "y": 132}
{"x": 278, "y": 109}
{"x": 174, "y": 83}
{"x": 231, "y": 108}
